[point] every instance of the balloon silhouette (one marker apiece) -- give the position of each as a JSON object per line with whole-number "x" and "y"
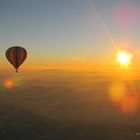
{"x": 16, "y": 56}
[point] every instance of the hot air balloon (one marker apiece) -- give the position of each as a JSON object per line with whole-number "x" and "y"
{"x": 16, "y": 56}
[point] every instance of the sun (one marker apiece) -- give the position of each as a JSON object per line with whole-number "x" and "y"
{"x": 124, "y": 58}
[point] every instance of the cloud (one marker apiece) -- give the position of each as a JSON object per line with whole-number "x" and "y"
{"x": 69, "y": 107}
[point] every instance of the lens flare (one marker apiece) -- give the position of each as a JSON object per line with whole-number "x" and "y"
{"x": 124, "y": 97}
{"x": 127, "y": 14}
{"x": 9, "y": 83}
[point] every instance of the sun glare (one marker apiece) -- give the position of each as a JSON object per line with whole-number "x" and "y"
{"x": 124, "y": 58}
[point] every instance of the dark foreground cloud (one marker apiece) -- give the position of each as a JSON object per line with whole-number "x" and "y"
{"x": 64, "y": 108}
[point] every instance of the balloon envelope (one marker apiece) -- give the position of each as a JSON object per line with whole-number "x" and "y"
{"x": 16, "y": 56}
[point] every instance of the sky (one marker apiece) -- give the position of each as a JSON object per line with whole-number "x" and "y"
{"x": 69, "y": 32}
